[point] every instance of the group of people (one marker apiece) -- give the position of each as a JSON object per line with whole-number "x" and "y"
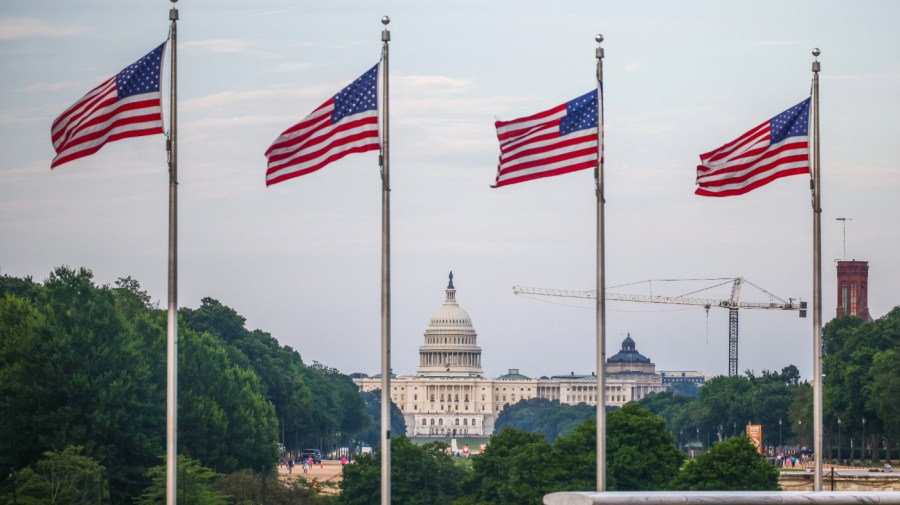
{"x": 791, "y": 461}
{"x": 307, "y": 463}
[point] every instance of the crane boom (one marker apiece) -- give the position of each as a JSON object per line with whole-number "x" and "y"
{"x": 732, "y": 304}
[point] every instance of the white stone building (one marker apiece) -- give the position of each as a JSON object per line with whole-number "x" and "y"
{"x": 449, "y": 394}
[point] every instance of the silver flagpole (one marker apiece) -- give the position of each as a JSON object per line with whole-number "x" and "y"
{"x": 601, "y": 284}
{"x": 172, "y": 329}
{"x": 385, "y": 276}
{"x": 817, "y": 281}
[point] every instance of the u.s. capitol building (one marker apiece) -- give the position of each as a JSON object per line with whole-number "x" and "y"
{"x": 449, "y": 394}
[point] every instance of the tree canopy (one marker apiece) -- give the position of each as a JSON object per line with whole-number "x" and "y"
{"x": 420, "y": 475}
{"x": 539, "y": 415}
{"x": 861, "y": 380}
{"x": 84, "y": 365}
{"x": 732, "y": 465}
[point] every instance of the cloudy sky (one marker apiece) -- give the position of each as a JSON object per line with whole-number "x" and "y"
{"x": 302, "y": 259}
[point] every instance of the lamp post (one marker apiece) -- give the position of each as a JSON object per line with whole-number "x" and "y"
{"x": 799, "y": 432}
{"x": 839, "y": 440}
{"x": 733, "y": 429}
{"x": 779, "y": 435}
{"x": 864, "y": 439}
{"x": 698, "y": 438}
{"x": 680, "y": 443}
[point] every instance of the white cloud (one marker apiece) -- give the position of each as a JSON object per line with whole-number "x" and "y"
{"x": 20, "y": 117}
{"x": 27, "y": 27}
{"x": 780, "y": 43}
{"x": 230, "y": 46}
{"x": 42, "y": 87}
{"x": 290, "y": 67}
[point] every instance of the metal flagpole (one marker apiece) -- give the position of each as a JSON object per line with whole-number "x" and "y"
{"x": 385, "y": 276}
{"x": 601, "y": 284}
{"x": 172, "y": 328}
{"x": 817, "y": 281}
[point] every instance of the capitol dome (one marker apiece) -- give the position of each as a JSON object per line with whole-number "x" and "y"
{"x": 450, "y": 348}
{"x": 450, "y": 315}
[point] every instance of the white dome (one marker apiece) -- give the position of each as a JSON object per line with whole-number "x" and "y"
{"x": 450, "y": 347}
{"x": 450, "y": 315}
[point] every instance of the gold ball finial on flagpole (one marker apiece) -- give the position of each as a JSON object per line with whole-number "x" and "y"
{"x": 385, "y": 20}
{"x": 598, "y": 38}
{"x": 816, "y": 52}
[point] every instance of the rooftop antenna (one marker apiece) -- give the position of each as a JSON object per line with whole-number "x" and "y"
{"x": 844, "y": 221}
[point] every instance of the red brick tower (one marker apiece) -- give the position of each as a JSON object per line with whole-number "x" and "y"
{"x": 852, "y": 289}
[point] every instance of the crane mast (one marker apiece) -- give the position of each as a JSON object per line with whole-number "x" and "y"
{"x": 733, "y": 304}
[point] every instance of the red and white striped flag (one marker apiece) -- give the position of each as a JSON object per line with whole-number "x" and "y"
{"x": 126, "y": 105}
{"x": 553, "y": 142}
{"x": 777, "y": 148}
{"x": 346, "y": 123}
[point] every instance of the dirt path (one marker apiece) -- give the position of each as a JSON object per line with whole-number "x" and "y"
{"x": 328, "y": 471}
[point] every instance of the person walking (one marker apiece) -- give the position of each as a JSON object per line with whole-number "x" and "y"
{"x": 305, "y": 467}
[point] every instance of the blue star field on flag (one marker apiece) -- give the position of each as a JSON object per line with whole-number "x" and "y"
{"x": 142, "y": 76}
{"x": 793, "y": 122}
{"x": 361, "y": 95}
{"x": 581, "y": 114}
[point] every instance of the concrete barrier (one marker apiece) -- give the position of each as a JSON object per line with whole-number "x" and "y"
{"x": 723, "y": 497}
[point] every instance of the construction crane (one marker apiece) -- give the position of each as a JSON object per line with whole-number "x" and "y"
{"x": 733, "y": 304}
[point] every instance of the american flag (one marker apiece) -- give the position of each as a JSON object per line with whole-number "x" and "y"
{"x": 777, "y": 148}
{"x": 126, "y": 105}
{"x": 346, "y": 123}
{"x": 553, "y": 142}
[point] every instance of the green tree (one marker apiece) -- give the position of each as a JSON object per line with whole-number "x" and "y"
{"x": 280, "y": 369}
{"x": 195, "y": 485}
{"x": 225, "y": 421}
{"x": 65, "y": 477}
{"x": 732, "y": 465}
{"x": 640, "y": 453}
{"x": 883, "y": 390}
{"x": 76, "y": 372}
{"x": 539, "y": 415}
{"x": 849, "y": 392}
{"x": 372, "y": 434}
{"x": 420, "y": 475}
{"x": 516, "y": 467}
{"x": 312, "y": 403}
{"x": 667, "y": 404}
{"x": 248, "y": 487}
